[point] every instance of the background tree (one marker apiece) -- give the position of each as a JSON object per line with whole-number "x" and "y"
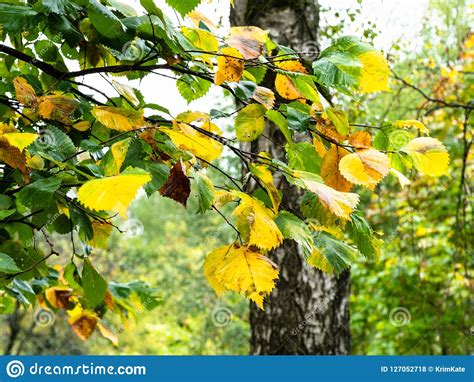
{"x": 308, "y": 312}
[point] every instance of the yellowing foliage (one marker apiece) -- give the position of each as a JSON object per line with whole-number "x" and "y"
{"x": 412, "y": 123}
{"x": 429, "y": 156}
{"x": 114, "y": 193}
{"x": 266, "y": 177}
{"x": 243, "y": 270}
{"x": 366, "y": 167}
{"x": 186, "y": 137}
{"x": 230, "y": 66}
{"x": 56, "y": 107}
{"x": 375, "y": 72}
{"x": 284, "y": 85}
{"x": 24, "y": 92}
{"x": 82, "y": 321}
{"x": 19, "y": 140}
{"x": 248, "y": 41}
{"x": 252, "y": 214}
{"x": 119, "y": 119}
{"x": 341, "y": 204}
{"x": 330, "y": 169}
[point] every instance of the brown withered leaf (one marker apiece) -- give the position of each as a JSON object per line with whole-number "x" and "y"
{"x": 58, "y": 296}
{"x": 83, "y": 325}
{"x": 12, "y": 156}
{"x": 178, "y": 186}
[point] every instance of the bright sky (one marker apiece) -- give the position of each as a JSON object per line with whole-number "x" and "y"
{"x": 394, "y": 19}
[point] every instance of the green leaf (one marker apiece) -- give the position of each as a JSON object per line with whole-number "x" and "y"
{"x": 302, "y": 156}
{"x": 151, "y": 8}
{"x": 71, "y": 275}
{"x": 183, "y": 6}
{"x": 306, "y": 86}
{"x": 244, "y": 89}
{"x": 336, "y": 253}
{"x": 298, "y": 120}
{"x": 363, "y": 236}
{"x": 278, "y": 119}
{"x": 55, "y": 6}
{"x": 339, "y": 119}
{"x": 93, "y": 284}
{"x": 204, "y": 191}
{"x": 192, "y": 88}
{"x": 53, "y": 144}
{"x": 7, "y": 264}
{"x": 295, "y": 229}
{"x": 249, "y": 123}
{"x": 6, "y": 213}
{"x": 159, "y": 174}
{"x": 17, "y": 18}
{"x": 104, "y": 20}
{"x": 39, "y": 194}
{"x": 258, "y": 73}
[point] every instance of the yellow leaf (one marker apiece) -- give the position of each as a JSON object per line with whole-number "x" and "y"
{"x": 24, "y": 92}
{"x": 20, "y": 140}
{"x": 341, "y": 204}
{"x": 56, "y": 107}
{"x": 118, "y": 119}
{"x": 12, "y": 156}
{"x": 186, "y": 137}
{"x": 412, "y": 123}
{"x": 242, "y": 270}
{"x": 119, "y": 152}
{"x": 201, "y": 39}
{"x": 114, "y": 193}
{"x": 250, "y": 122}
{"x": 222, "y": 197}
{"x": 197, "y": 17}
{"x": 127, "y": 92}
{"x": 248, "y": 40}
{"x": 375, "y": 72}
{"x": 318, "y": 260}
{"x": 284, "y": 84}
{"x": 35, "y": 162}
{"x": 211, "y": 266}
{"x": 366, "y": 167}
{"x": 82, "y": 125}
{"x": 360, "y": 140}
{"x": 330, "y": 169}
{"x": 230, "y": 66}
{"x": 102, "y": 232}
{"x": 319, "y": 146}
{"x": 266, "y": 177}
{"x": 262, "y": 229}
{"x": 264, "y": 96}
{"x": 429, "y": 155}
